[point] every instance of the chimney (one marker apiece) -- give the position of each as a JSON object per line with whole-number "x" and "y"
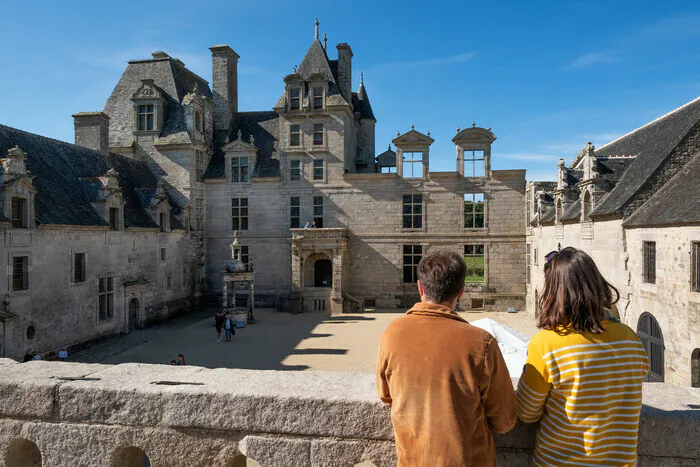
{"x": 345, "y": 71}
{"x": 224, "y": 66}
{"x": 92, "y": 130}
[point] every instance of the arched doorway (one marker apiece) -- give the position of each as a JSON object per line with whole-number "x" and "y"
{"x": 134, "y": 308}
{"x": 323, "y": 273}
{"x": 649, "y": 333}
{"x": 695, "y": 369}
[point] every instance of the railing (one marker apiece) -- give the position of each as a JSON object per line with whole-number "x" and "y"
{"x": 71, "y": 414}
{"x": 319, "y": 233}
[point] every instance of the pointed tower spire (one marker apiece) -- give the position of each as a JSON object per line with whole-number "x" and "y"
{"x": 362, "y": 78}
{"x": 316, "y": 28}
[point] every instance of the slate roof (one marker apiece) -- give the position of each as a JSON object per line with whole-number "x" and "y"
{"x": 573, "y": 212}
{"x": 677, "y": 202}
{"x": 652, "y": 144}
{"x": 613, "y": 169}
{"x": 360, "y": 103}
{"x": 316, "y": 62}
{"x": 66, "y": 181}
{"x": 548, "y": 216}
{"x": 173, "y": 79}
{"x": 387, "y": 158}
{"x": 264, "y": 128}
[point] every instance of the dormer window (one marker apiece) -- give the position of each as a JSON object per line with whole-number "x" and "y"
{"x": 114, "y": 221}
{"x": 294, "y": 98}
{"x": 146, "y": 114}
{"x": 239, "y": 169}
{"x": 19, "y": 213}
{"x": 163, "y": 222}
{"x": 198, "y": 120}
{"x": 473, "y": 163}
{"x": 318, "y": 97}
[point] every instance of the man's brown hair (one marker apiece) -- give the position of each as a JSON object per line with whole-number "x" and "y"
{"x": 575, "y": 293}
{"x": 442, "y": 274}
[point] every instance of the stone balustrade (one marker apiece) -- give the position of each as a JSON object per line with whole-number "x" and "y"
{"x": 334, "y": 233}
{"x": 72, "y": 414}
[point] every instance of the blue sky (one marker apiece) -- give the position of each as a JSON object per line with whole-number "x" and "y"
{"x": 547, "y": 76}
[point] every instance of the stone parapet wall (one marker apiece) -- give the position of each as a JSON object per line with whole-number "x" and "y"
{"x": 100, "y": 415}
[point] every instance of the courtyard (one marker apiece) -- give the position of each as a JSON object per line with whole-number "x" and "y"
{"x": 279, "y": 341}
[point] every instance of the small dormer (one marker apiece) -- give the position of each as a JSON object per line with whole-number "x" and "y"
{"x": 292, "y": 100}
{"x": 413, "y": 154}
{"x": 149, "y": 108}
{"x": 240, "y": 158}
{"x": 110, "y": 201}
{"x": 197, "y": 109}
{"x": 318, "y": 90}
{"x": 17, "y": 189}
{"x": 161, "y": 208}
{"x": 473, "y": 146}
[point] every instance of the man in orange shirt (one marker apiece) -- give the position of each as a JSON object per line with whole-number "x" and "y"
{"x": 445, "y": 380}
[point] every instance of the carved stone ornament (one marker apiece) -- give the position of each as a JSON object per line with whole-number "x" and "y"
{"x": 14, "y": 164}
{"x": 110, "y": 180}
{"x": 147, "y": 90}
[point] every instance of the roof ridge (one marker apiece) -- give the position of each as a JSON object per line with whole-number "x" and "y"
{"x": 650, "y": 123}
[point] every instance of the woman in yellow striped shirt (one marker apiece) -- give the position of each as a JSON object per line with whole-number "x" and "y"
{"x": 584, "y": 371}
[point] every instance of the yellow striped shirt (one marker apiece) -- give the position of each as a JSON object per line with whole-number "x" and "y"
{"x": 587, "y": 391}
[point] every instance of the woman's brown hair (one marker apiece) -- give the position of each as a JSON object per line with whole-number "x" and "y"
{"x": 574, "y": 293}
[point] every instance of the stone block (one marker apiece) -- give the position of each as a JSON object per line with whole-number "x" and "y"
{"x": 124, "y": 394}
{"x": 7, "y": 361}
{"x": 28, "y": 390}
{"x": 274, "y": 452}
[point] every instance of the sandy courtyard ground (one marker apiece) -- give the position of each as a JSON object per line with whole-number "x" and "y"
{"x": 279, "y": 341}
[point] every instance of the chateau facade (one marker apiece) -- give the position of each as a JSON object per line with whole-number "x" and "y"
{"x": 634, "y": 205}
{"x": 133, "y": 222}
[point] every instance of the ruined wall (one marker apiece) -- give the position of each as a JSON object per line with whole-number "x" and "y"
{"x": 63, "y": 312}
{"x": 100, "y": 415}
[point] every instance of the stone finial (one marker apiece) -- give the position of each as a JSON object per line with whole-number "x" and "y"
{"x": 398, "y": 133}
{"x": 316, "y": 32}
{"x": 14, "y": 163}
{"x": 489, "y": 128}
{"x": 473, "y": 124}
{"x": 252, "y": 140}
{"x": 428, "y": 132}
{"x": 295, "y": 69}
{"x": 240, "y": 134}
{"x": 16, "y": 153}
{"x": 389, "y": 147}
{"x": 362, "y": 78}
{"x": 195, "y": 89}
{"x": 227, "y": 140}
{"x": 325, "y": 41}
{"x": 413, "y": 127}
{"x": 560, "y": 164}
{"x": 458, "y": 129}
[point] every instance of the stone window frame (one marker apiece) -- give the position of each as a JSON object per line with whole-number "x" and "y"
{"x": 105, "y": 289}
{"x": 474, "y": 212}
{"x": 164, "y": 220}
{"x": 73, "y": 268}
{"x": 413, "y": 215}
{"x": 24, "y": 210}
{"x": 26, "y": 273}
{"x": 413, "y": 164}
{"x": 314, "y": 169}
{"x": 291, "y": 98}
{"x": 313, "y": 96}
{"x": 240, "y": 171}
{"x": 199, "y": 165}
{"x": 695, "y": 266}
{"x": 473, "y": 160}
{"x": 318, "y": 214}
{"x": 142, "y": 109}
{"x": 299, "y": 134}
{"x": 168, "y": 282}
{"x": 237, "y": 206}
{"x": 649, "y": 262}
{"x": 319, "y": 129}
{"x": 475, "y": 254}
{"x": 292, "y": 216}
{"x": 163, "y": 257}
{"x": 199, "y": 214}
{"x": 413, "y": 265}
{"x": 300, "y": 169}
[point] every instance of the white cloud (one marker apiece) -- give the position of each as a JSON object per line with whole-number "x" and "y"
{"x": 592, "y": 59}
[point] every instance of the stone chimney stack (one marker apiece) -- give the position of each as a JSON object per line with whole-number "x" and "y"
{"x": 345, "y": 71}
{"x": 92, "y": 130}
{"x": 224, "y": 66}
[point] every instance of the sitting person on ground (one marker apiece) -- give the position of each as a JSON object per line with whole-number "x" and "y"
{"x": 584, "y": 371}
{"x": 445, "y": 380}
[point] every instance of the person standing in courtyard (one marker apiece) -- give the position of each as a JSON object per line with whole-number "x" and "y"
{"x": 219, "y": 323}
{"x": 584, "y": 371}
{"x": 229, "y": 327}
{"x": 445, "y": 380}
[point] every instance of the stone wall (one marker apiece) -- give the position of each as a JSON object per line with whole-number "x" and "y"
{"x": 370, "y": 207}
{"x": 63, "y": 313}
{"x": 101, "y": 415}
{"x": 618, "y": 254}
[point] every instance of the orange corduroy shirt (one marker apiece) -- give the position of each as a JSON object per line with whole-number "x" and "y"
{"x": 448, "y": 388}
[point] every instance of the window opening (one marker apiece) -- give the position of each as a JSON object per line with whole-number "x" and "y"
{"x": 294, "y": 214}
{"x": 474, "y": 211}
{"x": 239, "y": 169}
{"x": 412, "y": 255}
{"x": 474, "y": 258}
{"x": 412, "y": 164}
{"x": 318, "y": 211}
{"x": 146, "y": 117}
{"x": 649, "y": 256}
{"x": 105, "y": 293}
{"x": 412, "y": 211}
{"x": 239, "y": 213}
